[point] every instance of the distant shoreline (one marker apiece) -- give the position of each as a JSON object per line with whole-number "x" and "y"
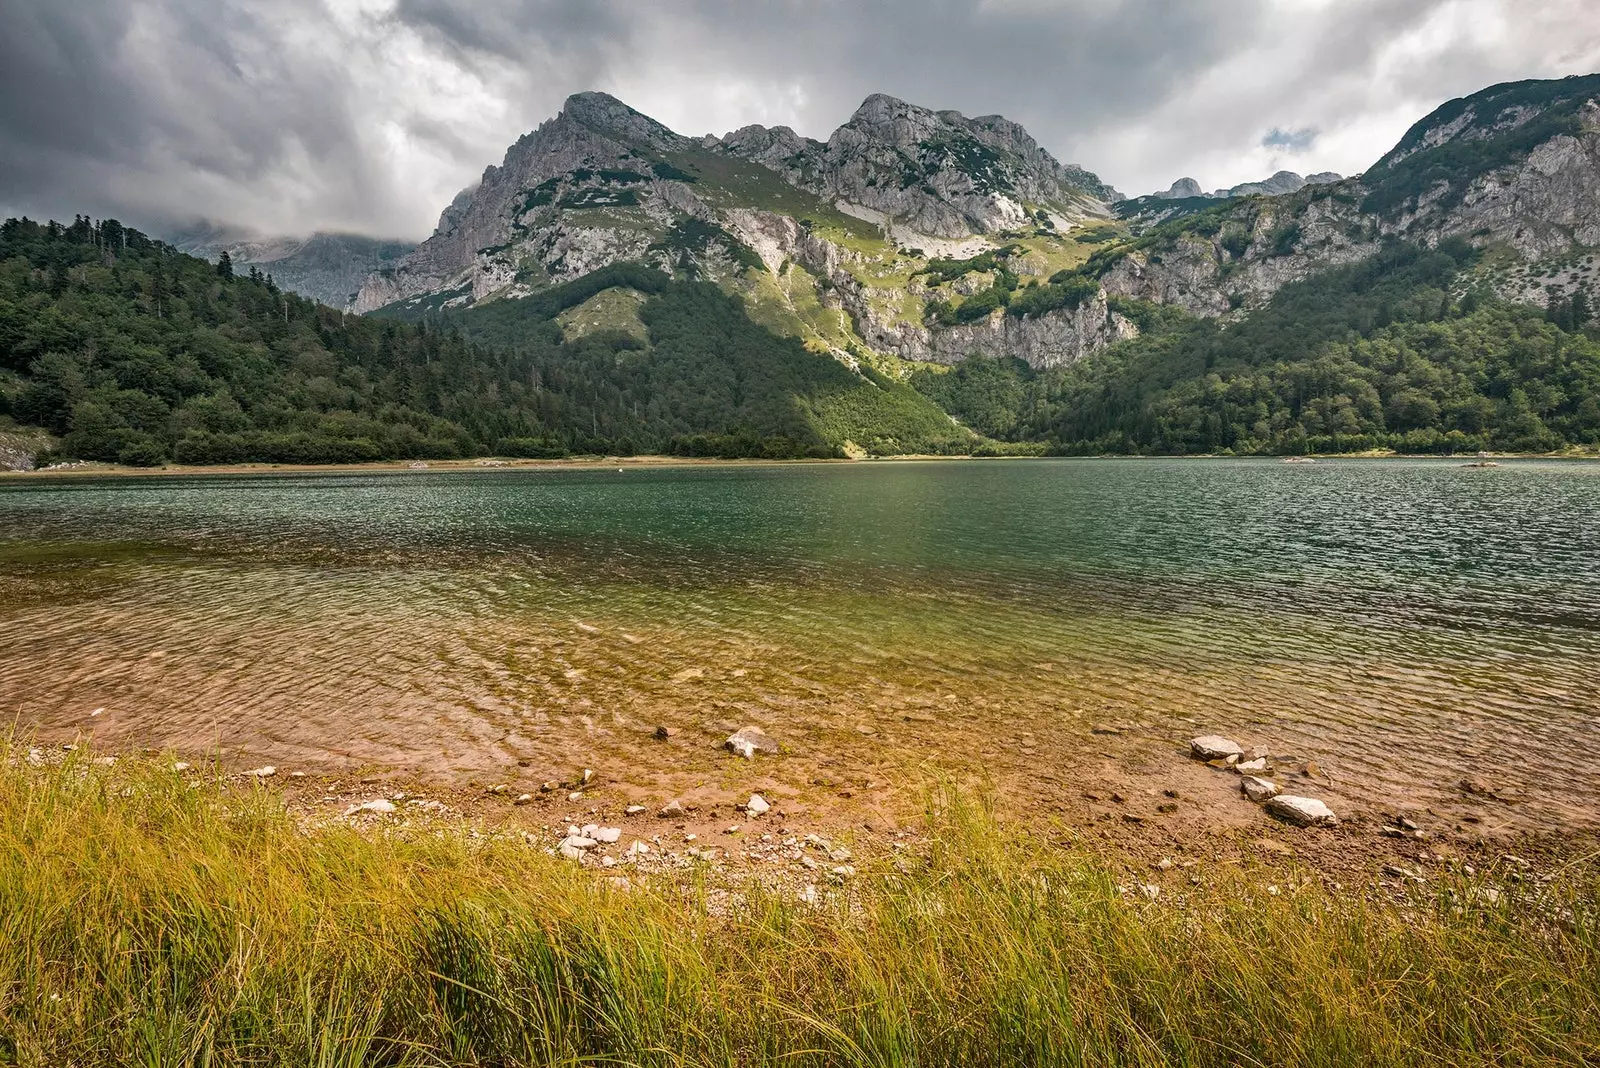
{"x": 94, "y": 468}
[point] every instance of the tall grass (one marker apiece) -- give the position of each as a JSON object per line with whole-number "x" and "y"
{"x": 145, "y": 920}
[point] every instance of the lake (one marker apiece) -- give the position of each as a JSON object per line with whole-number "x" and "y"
{"x": 1032, "y": 623}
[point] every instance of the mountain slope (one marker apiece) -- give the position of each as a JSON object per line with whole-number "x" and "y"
{"x": 326, "y": 267}
{"x": 1514, "y": 167}
{"x": 130, "y": 351}
{"x": 1377, "y": 354}
{"x": 834, "y": 243}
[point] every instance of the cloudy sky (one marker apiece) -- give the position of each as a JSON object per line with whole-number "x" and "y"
{"x": 368, "y": 115}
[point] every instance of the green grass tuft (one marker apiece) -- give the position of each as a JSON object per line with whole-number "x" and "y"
{"x": 150, "y": 917}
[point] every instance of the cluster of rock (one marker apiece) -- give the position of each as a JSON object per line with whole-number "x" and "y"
{"x": 1280, "y": 183}
{"x": 1255, "y": 782}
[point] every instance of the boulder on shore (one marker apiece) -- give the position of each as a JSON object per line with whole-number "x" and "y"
{"x": 1258, "y": 789}
{"x": 1301, "y": 811}
{"x": 748, "y": 741}
{"x": 1214, "y": 747}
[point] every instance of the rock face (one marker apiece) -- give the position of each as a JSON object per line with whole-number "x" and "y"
{"x": 1181, "y": 189}
{"x": 1516, "y": 165}
{"x": 1278, "y": 184}
{"x": 601, "y": 183}
{"x": 938, "y": 173}
{"x": 833, "y": 240}
{"x": 326, "y": 267}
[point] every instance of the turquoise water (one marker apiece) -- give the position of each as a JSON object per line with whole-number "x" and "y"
{"x": 1406, "y": 622}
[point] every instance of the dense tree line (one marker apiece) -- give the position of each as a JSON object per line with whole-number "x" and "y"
{"x": 1379, "y": 354}
{"x": 130, "y": 351}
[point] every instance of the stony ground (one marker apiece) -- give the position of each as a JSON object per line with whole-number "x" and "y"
{"x": 1161, "y": 841}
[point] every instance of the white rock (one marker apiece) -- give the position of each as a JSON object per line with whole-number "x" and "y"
{"x": 1150, "y": 890}
{"x": 1258, "y": 789}
{"x": 670, "y": 809}
{"x": 1301, "y": 811}
{"x": 588, "y": 830}
{"x": 381, "y": 807}
{"x": 748, "y": 741}
{"x": 1214, "y": 747}
{"x": 523, "y": 799}
{"x": 633, "y": 810}
{"x": 578, "y": 841}
{"x": 180, "y": 765}
{"x": 1250, "y": 767}
{"x": 571, "y": 852}
{"x": 606, "y": 862}
{"x": 266, "y": 771}
{"x": 606, "y": 834}
{"x": 638, "y": 849}
{"x": 757, "y": 805}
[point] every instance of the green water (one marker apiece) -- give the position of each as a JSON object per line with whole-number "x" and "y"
{"x": 1406, "y": 622}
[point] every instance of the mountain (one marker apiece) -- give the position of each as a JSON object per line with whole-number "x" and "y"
{"x": 1515, "y": 167}
{"x": 920, "y": 236}
{"x": 326, "y": 267}
{"x": 844, "y": 243}
{"x": 1282, "y": 182}
{"x": 126, "y": 350}
{"x": 615, "y": 286}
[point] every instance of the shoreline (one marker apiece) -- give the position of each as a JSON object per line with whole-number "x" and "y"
{"x": 1159, "y": 825}
{"x": 90, "y": 468}
{"x": 401, "y": 932}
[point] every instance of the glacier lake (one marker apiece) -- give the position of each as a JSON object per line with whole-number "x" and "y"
{"x": 1037, "y": 626}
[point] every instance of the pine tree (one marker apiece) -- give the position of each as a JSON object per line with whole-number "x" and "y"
{"x": 225, "y": 265}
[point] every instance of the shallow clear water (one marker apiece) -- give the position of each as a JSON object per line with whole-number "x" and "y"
{"x": 1405, "y": 622}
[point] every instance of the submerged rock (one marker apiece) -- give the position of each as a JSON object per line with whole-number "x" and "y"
{"x": 1301, "y": 811}
{"x": 1215, "y": 747}
{"x": 1258, "y": 789}
{"x": 748, "y": 741}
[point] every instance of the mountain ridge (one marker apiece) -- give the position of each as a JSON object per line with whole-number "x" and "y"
{"x": 907, "y": 233}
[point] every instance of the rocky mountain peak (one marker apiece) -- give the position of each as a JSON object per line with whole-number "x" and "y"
{"x": 605, "y": 114}
{"x": 1182, "y": 189}
{"x": 890, "y": 122}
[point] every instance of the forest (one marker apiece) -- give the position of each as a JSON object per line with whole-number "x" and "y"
{"x": 131, "y": 352}
{"x": 128, "y": 351}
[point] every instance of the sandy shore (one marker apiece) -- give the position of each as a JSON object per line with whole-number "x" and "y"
{"x": 582, "y": 463}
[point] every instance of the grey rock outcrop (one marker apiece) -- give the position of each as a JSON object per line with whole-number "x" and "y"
{"x": 1181, "y": 189}
{"x": 937, "y": 173}
{"x": 327, "y": 267}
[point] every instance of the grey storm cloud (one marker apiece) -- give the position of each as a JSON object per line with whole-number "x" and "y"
{"x": 368, "y": 115}
{"x": 1289, "y": 140}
